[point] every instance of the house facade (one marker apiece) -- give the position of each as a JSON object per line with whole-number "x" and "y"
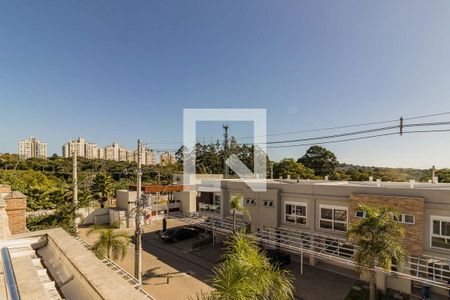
{"x": 328, "y": 208}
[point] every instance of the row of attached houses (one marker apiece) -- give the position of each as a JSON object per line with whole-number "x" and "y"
{"x": 328, "y": 208}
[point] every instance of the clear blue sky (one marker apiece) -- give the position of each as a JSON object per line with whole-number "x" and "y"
{"x": 119, "y": 70}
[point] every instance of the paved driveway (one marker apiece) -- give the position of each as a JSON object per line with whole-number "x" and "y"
{"x": 317, "y": 283}
{"x": 189, "y": 272}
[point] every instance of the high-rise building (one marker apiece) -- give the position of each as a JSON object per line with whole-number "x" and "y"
{"x": 150, "y": 157}
{"x": 32, "y": 148}
{"x": 112, "y": 152}
{"x": 130, "y": 156}
{"x": 91, "y": 151}
{"x": 77, "y": 146}
{"x": 101, "y": 153}
{"x": 166, "y": 159}
{"x": 122, "y": 153}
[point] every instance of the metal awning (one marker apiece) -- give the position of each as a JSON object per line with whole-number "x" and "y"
{"x": 430, "y": 270}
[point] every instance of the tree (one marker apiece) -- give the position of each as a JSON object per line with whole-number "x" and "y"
{"x": 378, "y": 238}
{"x": 246, "y": 273}
{"x": 321, "y": 160}
{"x": 38, "y": 198}
{"x": 111, "y": 244}
{"x": 63, "y": 217}
{"x": 102, "y": 188}
{"x": 289, "y": 166}
{"x": 236, "y": 205}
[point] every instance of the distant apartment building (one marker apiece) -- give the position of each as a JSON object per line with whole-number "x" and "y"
{"x": 32, "y": 148}
{"x": 130, "y": 156}
{"x": 75, "y": 146}
{"x": 122, "y": 153}
{"x": 91, "y": 151}
{"x": 149, "y": 157}
{"x": 112, "y": 152}
{"x": 101, "y": 153}
{"x": 166, "y": 159}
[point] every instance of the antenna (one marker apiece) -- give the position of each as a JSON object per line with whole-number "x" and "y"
{"x": 225, "y": 149}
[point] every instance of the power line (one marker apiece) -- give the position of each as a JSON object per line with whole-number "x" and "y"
{"x": 428, "y": 116}
{"x": 334, "y": 135}
{"x": 359, "y": 132}
{"x": 328, "y": 128}
{"x": 361, "y": 138}
{"x": 336, "y": 141}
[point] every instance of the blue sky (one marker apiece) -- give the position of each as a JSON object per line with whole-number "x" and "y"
{"x": 120, "y": 70}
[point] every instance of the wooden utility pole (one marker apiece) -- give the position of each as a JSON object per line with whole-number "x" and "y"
{"x": 401, "y": 125}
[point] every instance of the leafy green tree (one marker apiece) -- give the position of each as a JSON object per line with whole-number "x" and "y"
{"x": 246, "y": 273}
{"x": 111, "y": 243}
{"x": 321, "y": 160}
{"x": 102, "y": 188}
{"x": 289, "y": 166}
{"x": 38, "y": 198}
{"x": 63, "y": 217}
{"x": 378, "y": 237}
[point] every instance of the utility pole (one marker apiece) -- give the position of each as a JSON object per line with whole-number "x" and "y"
{"x": 75, "y": 184}
{"x": 138, "y": 232}
{"x": 401, "y": 125}
{"x": 225, "y": 150}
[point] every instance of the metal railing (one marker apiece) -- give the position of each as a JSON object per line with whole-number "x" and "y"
{"x": 118, "y": 269}
{"x": 12, "y": 290}
{"x": 430, "y": 270}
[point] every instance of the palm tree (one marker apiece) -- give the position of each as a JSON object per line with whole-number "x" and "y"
{"x": 246, "y": 273}
{"x": 102, "y": 188}
{"x": 110, "y": 243}
{"x": 378, "y": 237}
{"x": 236, "y": 205}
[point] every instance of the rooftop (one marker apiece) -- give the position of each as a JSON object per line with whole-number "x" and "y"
{"x": 368, "y": 184}
{"x": 51, "y": 264}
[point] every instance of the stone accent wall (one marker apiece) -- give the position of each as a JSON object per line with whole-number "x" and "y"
{"x": 16, "y": 205}
{"x": 413, "y": 239}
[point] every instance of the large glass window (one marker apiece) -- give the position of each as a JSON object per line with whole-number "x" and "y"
{"x": 440, "y": 237}
{"x": 295, "y": 213}
{"x": 333, "y": 218}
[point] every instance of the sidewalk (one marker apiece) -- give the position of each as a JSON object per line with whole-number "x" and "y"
{"x": 186, "y": 271}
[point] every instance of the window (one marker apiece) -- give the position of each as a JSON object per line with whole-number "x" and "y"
{"x": 216, "y": 200}
{"x": 250, "y": 201}
{"x": 333, "y": 217}
{"x": 295, "y": 213}
{"x": 268, "y": 203}
{"x": 440, "y": 232}
{"x": 360, "y": 214}
{"x": 404, "y": 218}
